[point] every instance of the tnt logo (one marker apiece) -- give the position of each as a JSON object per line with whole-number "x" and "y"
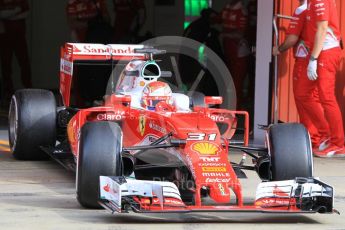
{"x": 210, "y": 159}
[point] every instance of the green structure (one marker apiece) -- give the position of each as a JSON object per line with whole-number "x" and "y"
{"x": 192, "y": 9}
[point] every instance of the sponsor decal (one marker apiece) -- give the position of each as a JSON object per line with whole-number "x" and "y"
{"x": 171, "y": 201}
{"x": 215, "y": 174}
{"x": 142, "y": 124}
{"x": 111, "y": 117}
{"x": 273, "y": 202}
{"x": 205, "y": 148}
{"x": 66, "y": 67}
{"x": 280, "y": 193}
{"x": 217, "y": 118}
{"x": 221, "y": 189}
{"x": 212, "y": 164}
{"x": 213, "y": 169}
{"x": 210, "y": 159}
{"x": 76, "y": 49}
{"x": 218, "y": 180}
{"x": 96, "y": 49}
{"x": 106, "y": 188}
{"x": 156, "y": 127}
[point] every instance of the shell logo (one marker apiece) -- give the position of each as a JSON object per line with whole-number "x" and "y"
{"x": 206, "y": 148}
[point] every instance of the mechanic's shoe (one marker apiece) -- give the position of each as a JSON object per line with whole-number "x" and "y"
{"x": 340, "y": 153}
{"x": 331, "y": 151}
{"x": 323, "y": 144}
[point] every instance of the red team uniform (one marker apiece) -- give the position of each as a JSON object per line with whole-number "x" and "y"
{"x": 13, "y": 41}
{"x": 328, "y": 63}
{"x": 235, "y": 24}
{"x": 80, "y": 12}
{"x": 301, "y": 83}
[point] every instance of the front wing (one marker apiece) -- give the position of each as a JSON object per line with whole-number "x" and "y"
{"x": 302, "y": 195}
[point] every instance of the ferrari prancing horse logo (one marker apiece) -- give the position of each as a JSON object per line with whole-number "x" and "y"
{"x": 142, "y": 124}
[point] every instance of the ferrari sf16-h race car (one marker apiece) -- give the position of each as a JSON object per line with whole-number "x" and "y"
{"x": 173, "y": 157}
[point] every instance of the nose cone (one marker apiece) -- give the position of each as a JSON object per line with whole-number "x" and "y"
{"x": 220, "y": 193}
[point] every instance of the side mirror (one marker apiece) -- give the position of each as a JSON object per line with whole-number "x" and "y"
{"x": 166, "y": 74}
{"x": 213, "y": 100}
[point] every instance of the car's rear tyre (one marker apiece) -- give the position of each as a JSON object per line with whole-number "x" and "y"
{"x": 99, "y": 155}
{"x": 291, "y": 152}
{"x": 32, "y": 123}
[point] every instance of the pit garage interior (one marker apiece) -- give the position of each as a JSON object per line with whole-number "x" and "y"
{"x": 47, "y": 31}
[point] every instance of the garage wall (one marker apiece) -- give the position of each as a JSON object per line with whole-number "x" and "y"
{"x": 262, "y": 72}
{"x": 287, "y": 107}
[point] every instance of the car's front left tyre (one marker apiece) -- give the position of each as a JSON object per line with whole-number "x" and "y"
{"x": 100, "y": 150}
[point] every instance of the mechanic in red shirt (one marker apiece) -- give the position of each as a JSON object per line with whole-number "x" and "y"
{"x": 234, "y": 19}
{"x": 296, "y": 36}
{"x": 13, "y": 15}
{"x": 130, "y": 16}
{"x": 323, "y": 41}
{"x": 80, "y": 12}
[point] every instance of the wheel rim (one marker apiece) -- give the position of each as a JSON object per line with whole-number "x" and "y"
{"x": 13, "y": 123}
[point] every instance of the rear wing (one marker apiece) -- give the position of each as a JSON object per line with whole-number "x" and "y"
{"x": 73, "y": 53}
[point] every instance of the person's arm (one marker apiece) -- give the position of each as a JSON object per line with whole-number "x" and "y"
{"x": 320, "y": 37}
{"x": 322, "y": 16}
{"x": 289, "y": 42}
{"x": 294, "y": 31}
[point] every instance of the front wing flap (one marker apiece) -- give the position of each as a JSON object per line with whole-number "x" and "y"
{"x": 305, "y": 194}
{"x": 302, "y": 195}
{"x": 117, "y": 192}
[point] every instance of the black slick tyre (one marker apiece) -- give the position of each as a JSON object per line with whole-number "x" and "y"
{"x": 32, "y": 123}
{"x": 99, "y": 155}
{"x": 291, "y": 152}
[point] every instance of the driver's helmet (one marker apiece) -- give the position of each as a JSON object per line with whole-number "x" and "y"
{"x": 154, "y": 93}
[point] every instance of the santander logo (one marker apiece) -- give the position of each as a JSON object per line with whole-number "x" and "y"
{"x": 98, "y": 49}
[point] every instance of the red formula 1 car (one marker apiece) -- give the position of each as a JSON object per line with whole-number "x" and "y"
{"x": 147, "y": 149}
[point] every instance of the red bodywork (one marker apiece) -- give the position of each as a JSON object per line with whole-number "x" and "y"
{"x": 205, "y": 152}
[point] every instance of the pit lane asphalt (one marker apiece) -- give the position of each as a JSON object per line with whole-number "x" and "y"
{"x": 41, "y": 195}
